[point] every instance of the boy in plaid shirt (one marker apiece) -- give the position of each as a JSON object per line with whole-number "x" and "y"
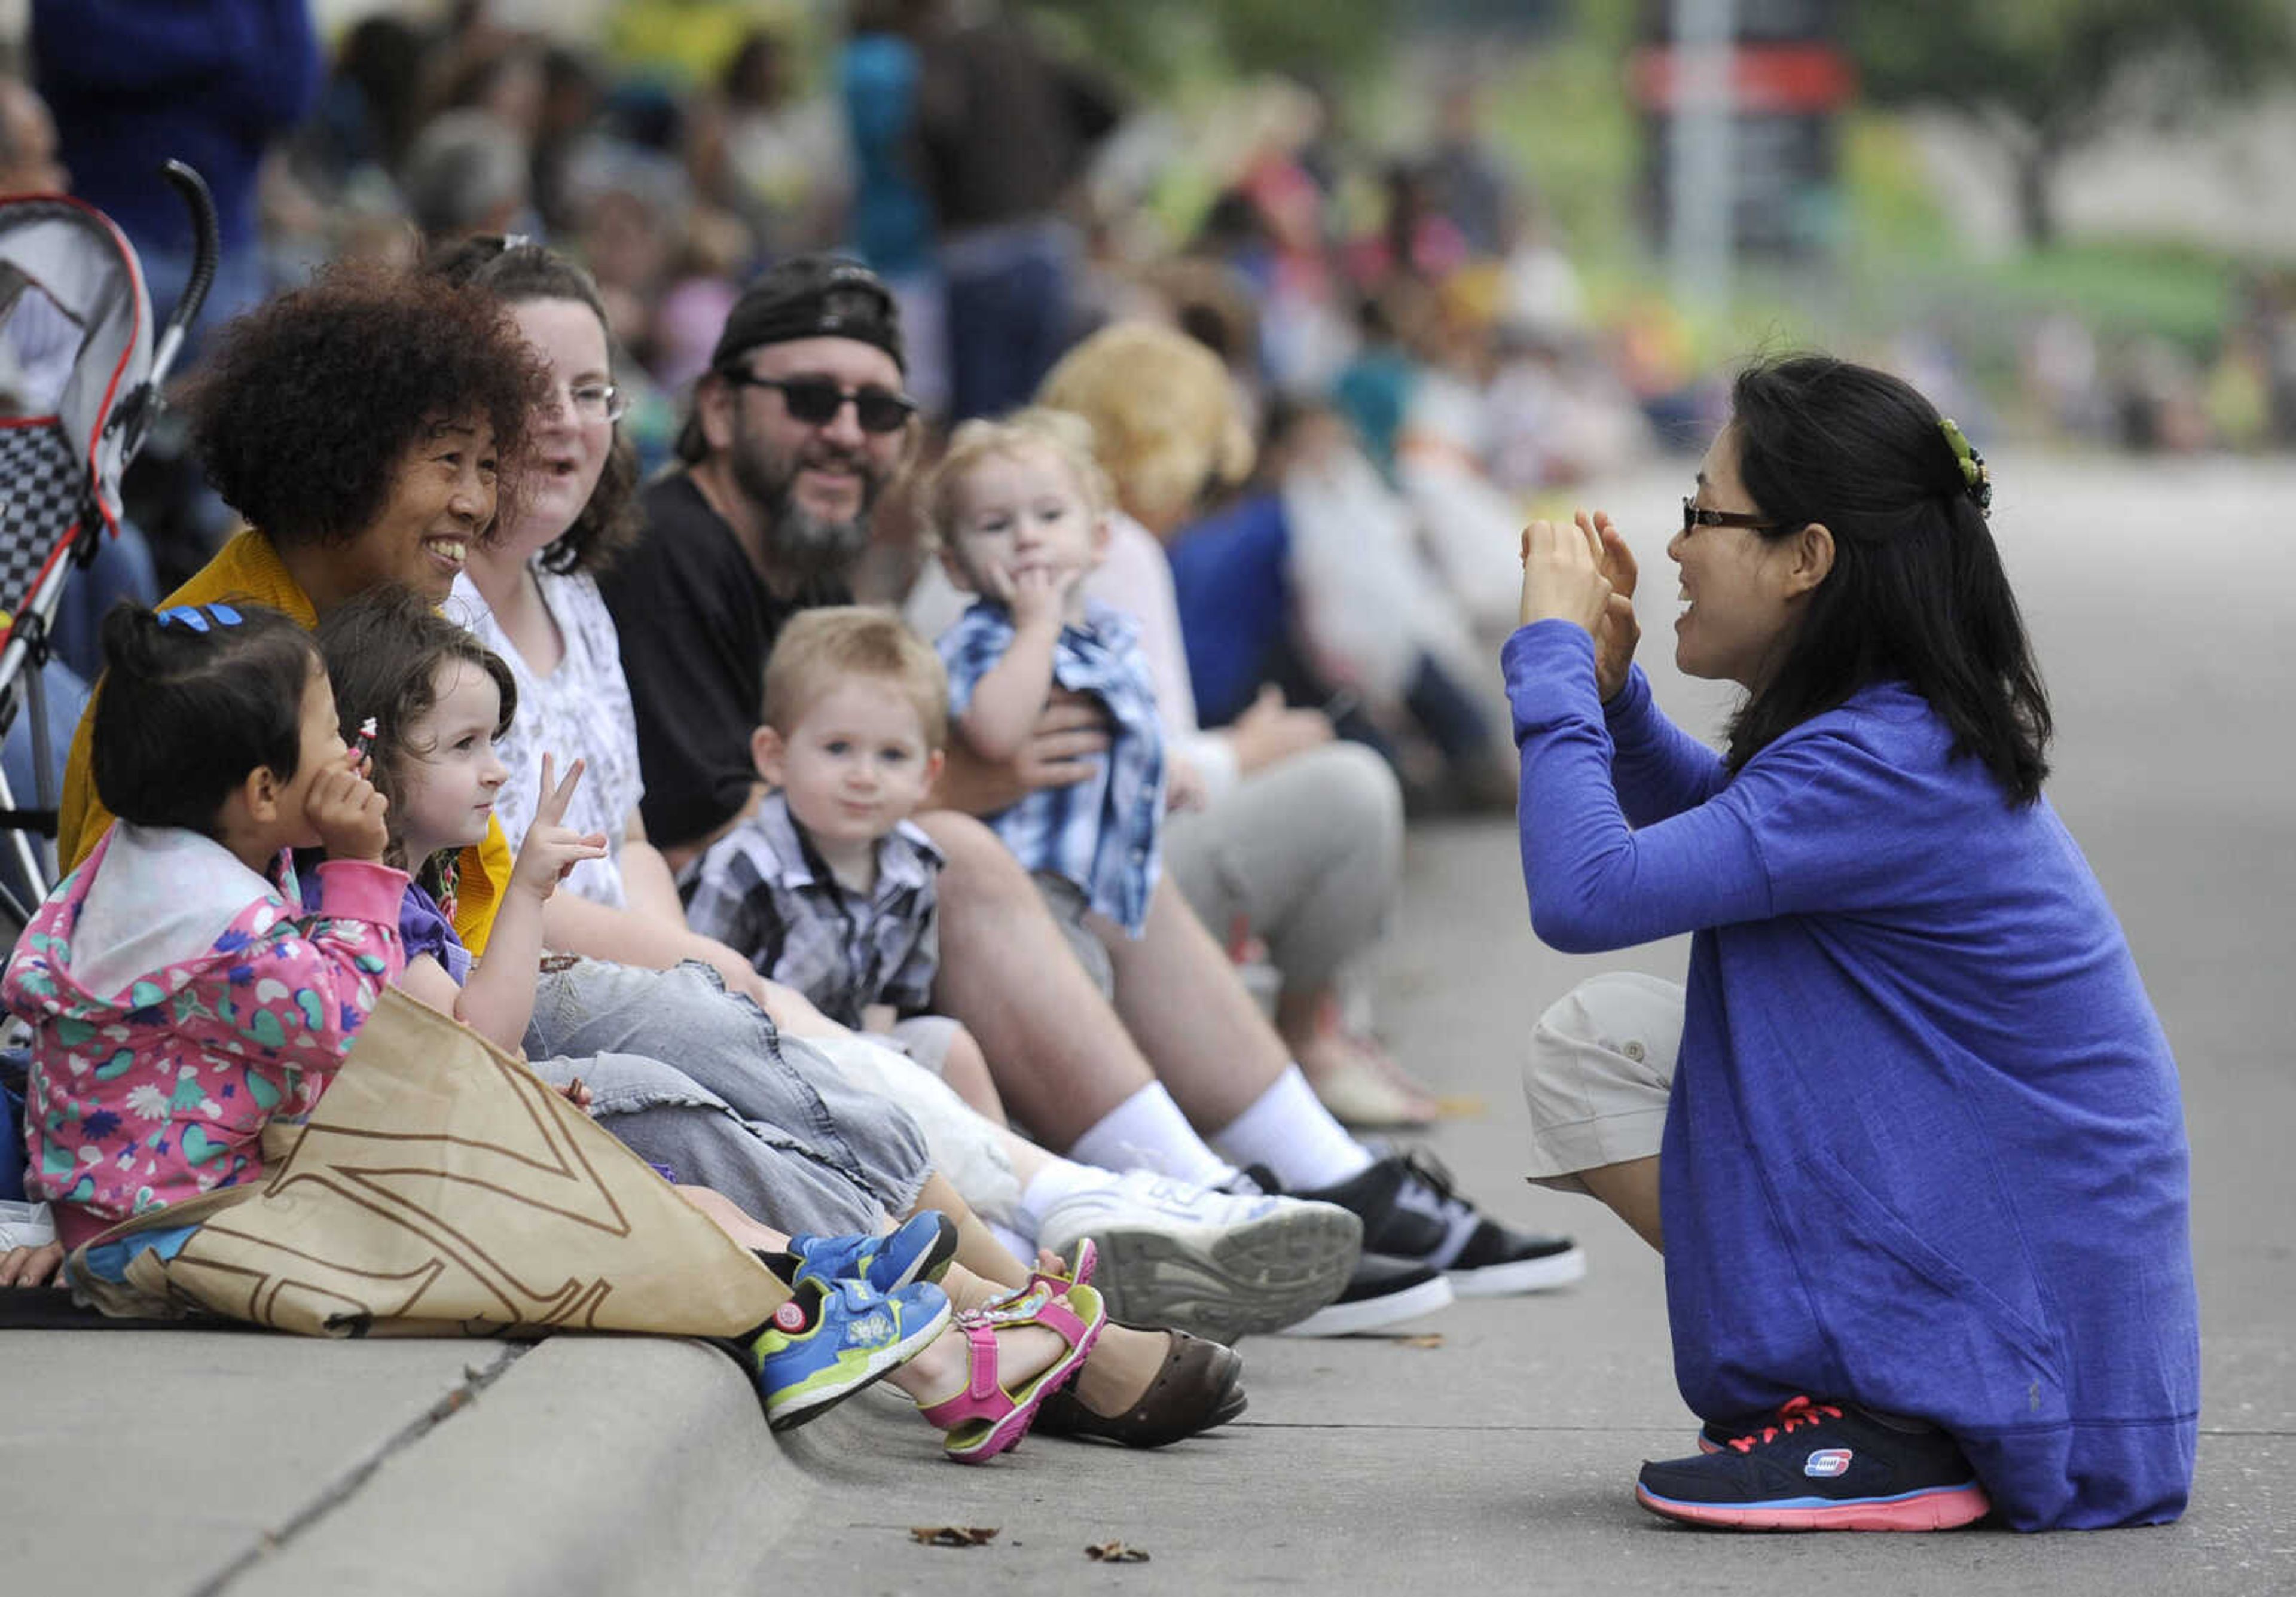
{"x": 826, "y": 886}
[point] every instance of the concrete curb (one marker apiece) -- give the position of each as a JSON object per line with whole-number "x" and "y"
{"x": 590, "y": 1464}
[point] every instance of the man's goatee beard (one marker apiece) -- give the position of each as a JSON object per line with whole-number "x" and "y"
{"x": 808, "y": 548}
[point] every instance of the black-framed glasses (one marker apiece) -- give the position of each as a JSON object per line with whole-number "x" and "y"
{"x": 1694, "y": 514}
{"x": 816, "y": 400}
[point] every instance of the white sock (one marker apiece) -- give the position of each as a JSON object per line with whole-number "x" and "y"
{"x": 1023, "y": 1249}
{"x": 1289, "y": 1130}
{"x": 1148, "y": 1132}
{"x": 1060, "y": 1178}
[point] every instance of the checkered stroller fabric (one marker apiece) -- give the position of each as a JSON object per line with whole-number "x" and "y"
{"x": 74, "y": 349}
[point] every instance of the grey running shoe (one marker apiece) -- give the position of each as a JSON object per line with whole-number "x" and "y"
{"x": 1221, "y": 1265}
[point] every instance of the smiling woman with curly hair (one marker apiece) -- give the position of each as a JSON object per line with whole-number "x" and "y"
{"x": 369, "y": 427}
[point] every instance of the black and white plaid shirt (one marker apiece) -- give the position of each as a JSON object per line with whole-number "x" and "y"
{"x": 764, "y": 890}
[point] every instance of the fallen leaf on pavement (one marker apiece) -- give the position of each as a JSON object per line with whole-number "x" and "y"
{"x": 1116, "y": 1552}
{"x": 953, "y": 1536}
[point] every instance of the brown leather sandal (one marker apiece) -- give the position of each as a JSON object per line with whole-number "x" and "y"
{"x": 1199, "y": 1387}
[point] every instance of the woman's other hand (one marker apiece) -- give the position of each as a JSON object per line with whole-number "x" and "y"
{"x": 1562, "y": 576}
{"x": 1616, "y": 637}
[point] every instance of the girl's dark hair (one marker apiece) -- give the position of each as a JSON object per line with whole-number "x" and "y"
{"x": 310, "y": 403}
{"x": 191, "y": 704}
{"x": 383, "y": 649}
{"x": 1916, "y": 593}
{"x": 517, "y": 273}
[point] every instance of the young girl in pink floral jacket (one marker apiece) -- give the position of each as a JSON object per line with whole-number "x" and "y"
{"x": 180, "y": 997}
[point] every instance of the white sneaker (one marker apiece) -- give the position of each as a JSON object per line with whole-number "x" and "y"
{"x": 1221, "y": 1265}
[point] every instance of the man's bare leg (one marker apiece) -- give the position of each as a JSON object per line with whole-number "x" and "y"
{"x": 1179, "y": 996}
{"x": 1062, "y": 1058}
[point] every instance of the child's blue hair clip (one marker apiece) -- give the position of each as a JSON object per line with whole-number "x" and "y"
{"x": 197, "y": 616}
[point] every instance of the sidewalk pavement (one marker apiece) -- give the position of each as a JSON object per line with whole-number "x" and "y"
{"x": 1500, "y": 1455}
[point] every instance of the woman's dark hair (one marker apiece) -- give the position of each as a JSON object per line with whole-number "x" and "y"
{"x": 310, "y": 403}
{"x": 517, "y": 273}
{"x": 196, "y": 698}
{"x": 1916, "y": 593}
{"x": 383, "y": 649}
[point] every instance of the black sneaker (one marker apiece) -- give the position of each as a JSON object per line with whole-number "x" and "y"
{"x": 1382, "y": 1292}
{"x": 1821, "y": 1466}
{"x": 1410, "y": 1211}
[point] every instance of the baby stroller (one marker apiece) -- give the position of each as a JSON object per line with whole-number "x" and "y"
{"x": 79, "y": 389}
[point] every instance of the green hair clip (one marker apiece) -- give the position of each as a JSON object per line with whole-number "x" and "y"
{"x": 1976, "y": 482}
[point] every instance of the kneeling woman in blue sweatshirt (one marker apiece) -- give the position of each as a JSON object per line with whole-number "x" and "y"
{"x": 1917, "y": 1160}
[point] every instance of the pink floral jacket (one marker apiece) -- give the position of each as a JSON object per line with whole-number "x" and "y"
{"x": 178, "y": 1006}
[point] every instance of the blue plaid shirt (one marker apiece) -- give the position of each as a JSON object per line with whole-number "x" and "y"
{"x": 1103, "y": 832}
{"x": 764, "y": 890}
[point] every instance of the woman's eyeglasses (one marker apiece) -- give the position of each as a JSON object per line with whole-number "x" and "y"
{"x": 599, "y": 401}
{"x": 1697, "y": 515}
{"x": 816, "y": 400}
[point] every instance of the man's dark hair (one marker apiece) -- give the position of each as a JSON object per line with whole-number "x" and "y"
{"x": 1918, "y": 593}
{"x": 193, "y": 705}
{"x": 310, "y": 403}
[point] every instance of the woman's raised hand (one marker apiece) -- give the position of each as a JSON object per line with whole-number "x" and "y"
{"x": 1563, "y": 578}
{"x": 552, "y": 848}
{"x": 1616, "y": 637}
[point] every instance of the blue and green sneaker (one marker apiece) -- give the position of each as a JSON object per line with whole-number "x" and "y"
{"x": 833, "y": 1337}
{"x": 917, "y": 1251}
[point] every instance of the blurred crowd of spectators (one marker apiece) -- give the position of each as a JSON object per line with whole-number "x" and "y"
{"x": 1406, "y": 310}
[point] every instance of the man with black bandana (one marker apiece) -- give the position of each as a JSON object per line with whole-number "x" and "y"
{"x": 798, "y": 426}
{"x": 781, "y": 467}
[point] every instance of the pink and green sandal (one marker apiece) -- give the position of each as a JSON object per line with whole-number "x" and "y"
{"x": 985, "y": 1419}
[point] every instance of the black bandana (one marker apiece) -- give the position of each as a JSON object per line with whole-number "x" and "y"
{"x": 811, "y": 297}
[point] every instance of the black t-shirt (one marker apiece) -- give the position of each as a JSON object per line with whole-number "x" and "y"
{"x": 696, "y": 623}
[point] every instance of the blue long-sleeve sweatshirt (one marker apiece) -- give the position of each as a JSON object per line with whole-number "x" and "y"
{"x": 133, "y": 83}
{"x": 1926, "y": 1149}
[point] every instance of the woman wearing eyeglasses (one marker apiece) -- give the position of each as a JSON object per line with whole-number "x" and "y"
{"x": 1910, "y": 1139}
{"x": 531, "y": 595}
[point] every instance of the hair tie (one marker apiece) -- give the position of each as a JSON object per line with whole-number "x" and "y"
{"x": 195, "y": 618}
{"x": 1976, "y": 482}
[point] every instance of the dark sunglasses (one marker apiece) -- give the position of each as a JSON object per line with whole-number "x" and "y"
{"x": 1694, "y": 515}
{"x": 816, "y": 400}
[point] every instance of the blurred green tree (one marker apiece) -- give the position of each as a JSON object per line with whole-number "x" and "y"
{"x": 2049, "y": 76}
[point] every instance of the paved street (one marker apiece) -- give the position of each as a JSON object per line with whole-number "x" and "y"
{"x": 1501, "y": 1457}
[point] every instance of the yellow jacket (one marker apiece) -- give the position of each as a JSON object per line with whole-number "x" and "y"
{"x": 248, "y": 567}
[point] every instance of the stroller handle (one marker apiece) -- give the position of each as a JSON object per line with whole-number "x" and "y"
{"x": 207, "y": 249}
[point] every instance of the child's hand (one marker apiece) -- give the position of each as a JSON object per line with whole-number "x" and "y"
{"x": 1184, "y": 785}
{"x": 577, "y": 1092}
{"x": 1034, "y": 597}
{"x": 345, "y": 811}
{"x": 30, "y": 1266}
{"x": 552, "y": 849}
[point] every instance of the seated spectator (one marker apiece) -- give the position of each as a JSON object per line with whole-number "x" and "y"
{"x": 799, "y": 427}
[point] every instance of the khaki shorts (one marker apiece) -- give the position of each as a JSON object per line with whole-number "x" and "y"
{"x": 1601, "y": 1068}
{"x": 1070, "y": 909}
